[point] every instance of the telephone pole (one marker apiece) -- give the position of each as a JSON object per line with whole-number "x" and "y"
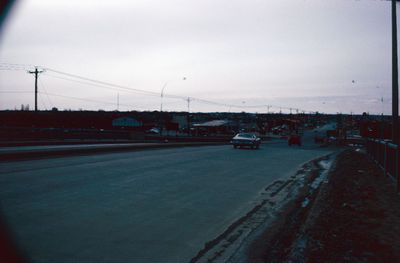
{"x": 395, "y": 91}
{"x": 117, "y": 101}
{"x": 188, "y": 115}
{"x": 395, "y": 81}
{"x": 268, "y": 106}
{"x": 36, "y": 72}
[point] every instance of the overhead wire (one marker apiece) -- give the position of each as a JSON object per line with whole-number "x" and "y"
{"x": 15, "y": 91}
{"x": 88, "y": 100}
{"x": 151, "y": 93}
{"x": 44, "y": 88}
{"x": 96, "y": 85}
{"x": 16, "y": 67}
{"x": 42, "y": 100}
{"x": 76, "y": 98}
{"x": 107, "y": 85}
{"x": 102, "y": 82}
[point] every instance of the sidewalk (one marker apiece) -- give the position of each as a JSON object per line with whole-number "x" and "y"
{"x": 355, "y": 217}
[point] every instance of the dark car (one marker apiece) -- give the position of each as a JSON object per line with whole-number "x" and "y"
{"x": 319, "y": 139}
{"x": 246, "y": 140}
{"x": 294, "y": 139}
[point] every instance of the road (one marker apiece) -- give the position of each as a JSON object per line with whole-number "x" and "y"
{"x": 149, "y": 206}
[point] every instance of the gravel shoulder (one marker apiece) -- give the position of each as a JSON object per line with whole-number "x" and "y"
{"x": 357, "y": 216}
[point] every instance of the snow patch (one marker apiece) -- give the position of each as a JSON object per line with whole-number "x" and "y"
{"x": 305, "y": 202}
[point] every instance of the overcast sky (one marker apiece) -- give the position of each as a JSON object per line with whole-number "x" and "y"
{"x": 318, "y": 55}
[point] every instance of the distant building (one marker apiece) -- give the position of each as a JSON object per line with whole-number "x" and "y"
{"x": 249, "y": 127}
{"x": 181, "y": 120}
{"x": 127, "y": 122}
{"x": 214, "y": 127}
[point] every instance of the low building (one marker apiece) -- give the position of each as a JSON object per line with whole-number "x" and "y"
{"x": 214, "y": 127}
{"x": 181, "y": 120}
{"x": 126, "y": 122}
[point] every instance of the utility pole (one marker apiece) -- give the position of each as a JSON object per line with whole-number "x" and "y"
{"x": 188, "y": 116}
{"x": 188, "y": 102}
{"x": 395, "y": 81}
{"x": 395, "y": 91}
{"x": 36, "y": 72}
{"x": 117, "y": 101}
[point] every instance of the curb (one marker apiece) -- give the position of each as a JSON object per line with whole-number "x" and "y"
{"x": 93, "y": 149}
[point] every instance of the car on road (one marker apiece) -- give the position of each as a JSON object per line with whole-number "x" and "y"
{"x": 246, "y": 140}
{"x": 294, "y": 139}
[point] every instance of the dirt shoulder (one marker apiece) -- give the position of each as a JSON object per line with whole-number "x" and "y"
{"x": 357, "y": 215}
{"x": 353, "y": 217}
{"x": 274, "y": 205}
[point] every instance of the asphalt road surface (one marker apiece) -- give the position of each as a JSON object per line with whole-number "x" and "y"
{"x": 149, "y": 206}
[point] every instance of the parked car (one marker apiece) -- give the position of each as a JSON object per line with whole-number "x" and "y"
{"x": 246, "y": 140}
{"x": 319, "y": 139}
{"x": 154, "y": 131}
{"x": 294, "y": 139}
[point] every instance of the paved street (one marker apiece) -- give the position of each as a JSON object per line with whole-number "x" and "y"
{"x": 148, "y": 206}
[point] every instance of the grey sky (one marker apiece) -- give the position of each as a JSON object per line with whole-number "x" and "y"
{"x": 291, "y": 53}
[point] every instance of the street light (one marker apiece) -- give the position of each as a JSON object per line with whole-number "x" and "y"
{"x": 162, "y": 93}
{"x": 161, "y": 106}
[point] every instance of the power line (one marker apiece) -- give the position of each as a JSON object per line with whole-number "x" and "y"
{"x": 106, "y": 85}
{"x": 13, "y": 66}
{"x": 43, "y": 102}
{"x": 98, "y": 85}
{"x": 44, "y": 88}
{"x": 15, "y": 69}
{"x": 8, "y": 91}
{"x": 81, "y": 99}
{"x": 102, "y": 82}
{"x": 144, "y": 92}
{"x": 87, "y": 100}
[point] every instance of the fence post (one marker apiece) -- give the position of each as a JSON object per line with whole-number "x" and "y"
{"x": 380, "y": 153}
{"x": 385, "y": 159}
{"x": 397, "y": 168}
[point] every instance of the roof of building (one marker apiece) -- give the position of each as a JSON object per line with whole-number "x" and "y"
{"x": 214, "y": 123}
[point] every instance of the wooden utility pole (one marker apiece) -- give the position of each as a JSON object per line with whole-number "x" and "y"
{"x": 395, "y": 92}
{"x": 36, "y": 72}
{"x": 188, "y": 115}
{"x": 395, "y": 81}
